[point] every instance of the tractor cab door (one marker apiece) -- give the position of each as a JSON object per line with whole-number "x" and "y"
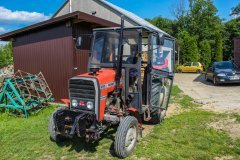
{"x": 161, "y": 73}
{"x": 132, "y": 69}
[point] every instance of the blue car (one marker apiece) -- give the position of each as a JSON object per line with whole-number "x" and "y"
{"x": 223, "y": 72}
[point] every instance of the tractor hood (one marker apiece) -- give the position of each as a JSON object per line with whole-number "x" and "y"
{"x": 105, "y": 77}
{"x": 106, "y": 84}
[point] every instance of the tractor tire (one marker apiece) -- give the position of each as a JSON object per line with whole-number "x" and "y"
{"x": 159, "y": 115}
{"x": 126, "y": 137}
{"x": 52, "y": 129}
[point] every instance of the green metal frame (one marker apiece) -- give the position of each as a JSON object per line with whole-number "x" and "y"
{"x": 11, "y": 99}
{"x": 24, "y": 92}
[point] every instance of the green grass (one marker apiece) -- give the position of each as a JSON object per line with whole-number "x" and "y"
{"x": 186, "y": 136}
{"x": 29, "y": 139}
{"x": 237, "y": 116}
{"x": 181, "y": 99}
{"x": 183, "y": 136}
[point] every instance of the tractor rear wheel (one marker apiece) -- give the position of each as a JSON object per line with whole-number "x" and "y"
{"x": 52, "y": 128}
{"x": 159, "y": 115}
{"x": 126, "y": 137}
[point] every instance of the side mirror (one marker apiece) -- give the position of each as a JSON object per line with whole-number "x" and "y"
{"x": 78, "y": 42}
{"x": 160, "y": 40}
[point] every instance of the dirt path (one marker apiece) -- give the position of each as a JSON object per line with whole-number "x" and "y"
{"x": 224, "y": 98}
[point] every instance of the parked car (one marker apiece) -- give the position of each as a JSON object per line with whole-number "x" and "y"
{"x": 194, "y": 67}
{"x": 223, "y": 72}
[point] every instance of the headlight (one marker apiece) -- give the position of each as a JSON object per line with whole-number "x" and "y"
{"x": 74, "y": 103}
{"x": 221, "y": 75}
{"x": 90, "y": 105}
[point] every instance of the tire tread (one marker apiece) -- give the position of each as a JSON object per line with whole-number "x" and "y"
{"x": 121, "y": 136}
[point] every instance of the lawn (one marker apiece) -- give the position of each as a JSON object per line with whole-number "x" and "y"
{"x": 183, "y": 136}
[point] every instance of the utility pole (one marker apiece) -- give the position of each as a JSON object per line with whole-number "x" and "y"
{"x": 179, "y": 55}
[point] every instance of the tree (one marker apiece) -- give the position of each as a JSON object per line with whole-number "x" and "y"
{"x": 205, "y": 51}
{"x": 180, "y": 13}
{"x": 236, "y": 10}
{"x": 189, "y": 48}
{"x": 196, "y": 27}
{"x": 218, "y": 52}
{"x": 203, "y": 20}
{"x": 6, "y": 55}
{"x": 231, "y": 31}
{"x": 163, "y": 23}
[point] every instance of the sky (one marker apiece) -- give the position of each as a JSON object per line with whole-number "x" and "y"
{"x": 16, "y": 14}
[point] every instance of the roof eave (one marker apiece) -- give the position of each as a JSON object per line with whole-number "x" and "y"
{"x": 78, "y": 15}
{"x": 10, "y": 35}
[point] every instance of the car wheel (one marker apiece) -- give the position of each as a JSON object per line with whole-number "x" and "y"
{"x": 198, "y": 71}
{"x": 206, "y": 78}
{"x": 179, "y": 71}
{"x": 126, "y": 137}
{"x": 215, "y": 81}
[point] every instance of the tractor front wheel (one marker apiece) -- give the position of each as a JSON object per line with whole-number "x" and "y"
{"x": 52, "y": 129}
{"x": 126, "y": 137}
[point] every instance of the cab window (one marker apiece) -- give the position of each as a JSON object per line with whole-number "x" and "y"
{"x": 130, "y": 47}
{"x": 105, "y": 48}
{"x": 163, "y": 55}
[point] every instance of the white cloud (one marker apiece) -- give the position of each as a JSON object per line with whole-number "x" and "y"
{"x": 2, "y": 43}
{"x": 2, "y": 30}
{"x": 21, "y": 16}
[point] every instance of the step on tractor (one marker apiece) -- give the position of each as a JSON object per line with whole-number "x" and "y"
{"x": 129, "y": 82}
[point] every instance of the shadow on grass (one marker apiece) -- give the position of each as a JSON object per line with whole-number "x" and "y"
{"x": 79, "y": 144}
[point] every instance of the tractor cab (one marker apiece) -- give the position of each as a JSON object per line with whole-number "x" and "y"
{"x": 146, "y": 69}
{"x": 129, "y": 82}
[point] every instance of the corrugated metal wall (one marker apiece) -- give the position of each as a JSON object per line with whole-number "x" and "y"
{"x": 81, "y": 55}
{"x": 53, "y": 58}
{"x": 50, "y": 51}
{"x": 52, "y": 32}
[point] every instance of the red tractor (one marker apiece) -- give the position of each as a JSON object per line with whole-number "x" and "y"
{"x": 129, "y": 82}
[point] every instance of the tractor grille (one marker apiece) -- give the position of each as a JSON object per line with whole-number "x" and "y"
{"x": 82, "y": 89}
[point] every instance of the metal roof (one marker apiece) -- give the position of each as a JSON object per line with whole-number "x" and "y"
{"x": 133, "y": 17}
{"x": 140, "y": 21}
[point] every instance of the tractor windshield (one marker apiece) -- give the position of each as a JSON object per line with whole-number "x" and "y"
{"x": 105, "y": 47}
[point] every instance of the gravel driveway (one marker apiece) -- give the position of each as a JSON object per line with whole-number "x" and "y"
{"x": 223, "y": 98}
